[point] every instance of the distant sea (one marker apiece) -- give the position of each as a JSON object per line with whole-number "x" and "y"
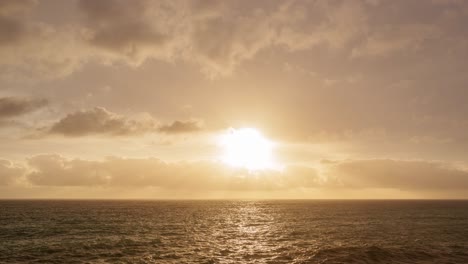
{"x": 98, "y": 231}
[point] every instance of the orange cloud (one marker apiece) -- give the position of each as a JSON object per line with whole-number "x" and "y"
{"x": 398, "y": 174}
{"x": 54, "y": 170}
{"x": 10, "y": 173}
{"x": 181, "y": 127}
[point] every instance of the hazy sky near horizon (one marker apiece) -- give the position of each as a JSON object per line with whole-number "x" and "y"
{"x": 127, "y": 99}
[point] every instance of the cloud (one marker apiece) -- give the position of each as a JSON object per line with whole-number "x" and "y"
{"x": 57, "y": 171}
{"x": 181, "y": 127}
{"x": 128, "y": 29}
{"x": 217, "y": 37}
{"x": 99, "y": 121}
{"x": 29, "y": 47}
{"x": 398, "y": 174}
{"x": 214, "y": 36}
{"x": 54, "y": 170}
{"x": 32, "y": 50}
{"x": 397, "y": 38}
{"x": 198, "y": 176}
{"x": 9, "y": 172}
{"x": 16, "y": 106}
{"x": 224, "y": 36}
{"x": 12, "y": 29}
{"x": 15, "y": 6}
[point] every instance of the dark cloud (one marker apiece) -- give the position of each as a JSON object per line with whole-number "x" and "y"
{"x": 216, "y": 36}
{"x": 15, "y": 6}
{"x": 15, "y": 106}
{"x": 28, "y": 46}
{"x": 181, "y": 127}
{"x": 99, "y": 121}
{"x": 120, "y": 26}
{"x": 398, "y": 174}
{"x": 13, "y": 28}
{"x": 220, "y": 36}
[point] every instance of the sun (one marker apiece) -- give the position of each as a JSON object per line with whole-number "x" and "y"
{"x": 247, "y": 148}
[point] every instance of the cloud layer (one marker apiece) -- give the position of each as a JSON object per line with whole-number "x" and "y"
{"x": 399, "y": 174}
{"x": 217, "y": 37}
{"x": 55, "y": 170}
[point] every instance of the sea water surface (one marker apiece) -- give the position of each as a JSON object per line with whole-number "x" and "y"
{"x": 233, "y": 231}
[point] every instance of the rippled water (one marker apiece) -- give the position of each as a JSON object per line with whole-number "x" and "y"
{"x": 234, "y": 231}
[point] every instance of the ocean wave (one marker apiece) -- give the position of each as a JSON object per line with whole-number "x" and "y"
{"x": 222, "y": 232}
{"x": 374, "y": 254}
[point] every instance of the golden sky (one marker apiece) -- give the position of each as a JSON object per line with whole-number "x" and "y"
{"x": 133, "y": 99}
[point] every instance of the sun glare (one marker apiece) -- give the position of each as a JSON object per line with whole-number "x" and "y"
{"x": 247, "y": 148}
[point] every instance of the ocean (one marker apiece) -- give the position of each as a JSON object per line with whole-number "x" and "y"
{"x": 292, "y": 231}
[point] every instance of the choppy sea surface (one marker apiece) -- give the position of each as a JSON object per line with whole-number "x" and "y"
{"x": 233, "y": 231}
